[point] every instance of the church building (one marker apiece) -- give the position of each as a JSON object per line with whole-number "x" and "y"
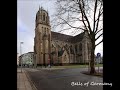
{"x": 56, "y": 48}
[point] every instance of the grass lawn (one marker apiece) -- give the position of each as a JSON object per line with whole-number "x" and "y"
{"x": 75, "y": 66}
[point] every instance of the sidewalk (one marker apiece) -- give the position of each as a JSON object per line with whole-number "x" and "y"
{"x": 22, "y": 81}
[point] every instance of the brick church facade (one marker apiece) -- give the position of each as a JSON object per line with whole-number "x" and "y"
{"x": 56, "y": 48}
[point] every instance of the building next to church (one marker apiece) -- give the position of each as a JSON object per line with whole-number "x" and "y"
{"x": 56, "y": 48}
{"x": 26, "y": 58}
{"x": 17, "y": 59}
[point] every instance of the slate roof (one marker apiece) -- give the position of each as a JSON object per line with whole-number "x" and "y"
{"x": 77, "y": 38}
{"x": 66, "y": 38}
{"x": 59, "y": 36}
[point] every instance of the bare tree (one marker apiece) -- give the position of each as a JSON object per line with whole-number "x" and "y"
{"x": 80, "y": 15}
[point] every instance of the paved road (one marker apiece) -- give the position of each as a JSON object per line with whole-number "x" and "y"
{"x": 60, "y": 79}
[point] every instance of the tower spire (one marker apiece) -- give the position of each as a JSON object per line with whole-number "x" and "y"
{"x": 39, "y": 7}
{"x": 47, "y": 9}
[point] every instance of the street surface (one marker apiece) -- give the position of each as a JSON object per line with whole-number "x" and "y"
{"x": 61, "y": 79}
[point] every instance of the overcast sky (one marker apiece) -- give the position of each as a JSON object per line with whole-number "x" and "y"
{"x": 26, "y": 12}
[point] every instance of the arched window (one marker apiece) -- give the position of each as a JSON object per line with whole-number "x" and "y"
{"x": 46, "y": 19}
{"x": 40, "y": 16}
{"x": 59, "y": 48}
{"x": 88, "y": 46}
{"x": 80, "y": 46}
{"x": 76, "y": 48}
{"x": 65, "y": 58}
{"x": 42, "y": 30}
{"x": 71, "y": 50}
{"x": 43, "y": 16}
{"x": 45, "y": 30}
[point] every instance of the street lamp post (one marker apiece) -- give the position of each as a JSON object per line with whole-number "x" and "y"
{"x": 21, "y": 54}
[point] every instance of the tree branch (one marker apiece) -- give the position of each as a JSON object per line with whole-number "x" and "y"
{"x": 94, "y": 15}
{"x": 99, "y": 36}
{"x": 80, "y": 6}
{"x": 99, "y": 43}
{"x": 98, "y": 31}
{"x": 99, "y": 16}
{"x": 75, "y": 31}
{"x": 100, "y": 13}
{"x": 59, "y": 24}
{"x": 64, "y": 29}
{"x": 97, "y": 23}
{"x": 76, "y": 10}
{"x": 71, "y": 25}
{"x": 84, "y": 14}
{"x": 77, "y": 18}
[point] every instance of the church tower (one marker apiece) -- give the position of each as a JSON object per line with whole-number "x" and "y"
{"x": 42, "y": 40}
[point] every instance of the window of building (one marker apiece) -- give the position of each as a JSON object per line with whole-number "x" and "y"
{"x": 88, "y": 46}
{"x": 65, "y": 58}
{"x": 44, "y": 17}
{"x": 76, "y": 48}
{"x": 42, "y": 29}
{"x": 71, "y": 49}
{"x": 80, "y": 46}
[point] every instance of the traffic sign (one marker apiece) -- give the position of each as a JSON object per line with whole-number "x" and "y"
{"x": 98, "y": 55}
{"x": 98, "y": 60}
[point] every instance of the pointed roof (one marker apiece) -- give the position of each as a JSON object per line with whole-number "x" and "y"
{"x": 39, "y": 7}
{"x": 67, "y": 38}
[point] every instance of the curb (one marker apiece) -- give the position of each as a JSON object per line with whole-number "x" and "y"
{"x": 31, "y": 82}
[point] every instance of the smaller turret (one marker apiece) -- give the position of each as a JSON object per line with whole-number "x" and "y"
{"x": 42, "y": 17}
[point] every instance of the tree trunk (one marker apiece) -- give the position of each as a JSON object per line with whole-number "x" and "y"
{"x": 92, "y": 67}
